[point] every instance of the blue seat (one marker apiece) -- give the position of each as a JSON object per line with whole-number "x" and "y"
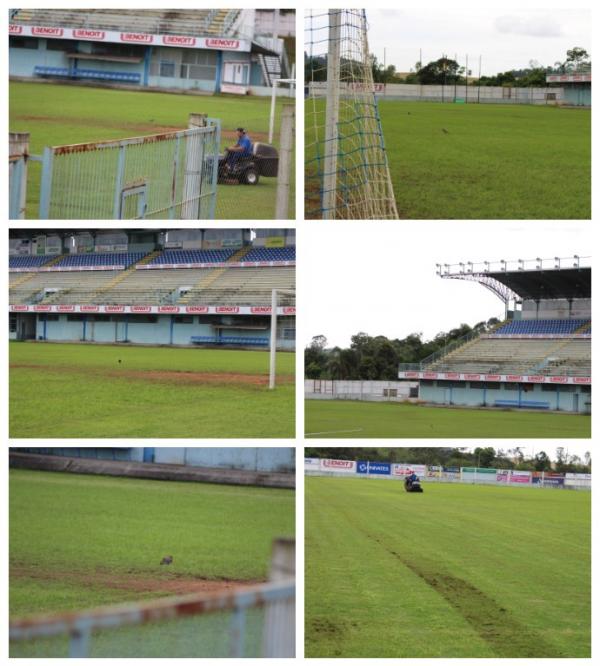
{"x": 527, "y": 404}
{"x": 229, "y": 340}
{"x": 98, "y": 74}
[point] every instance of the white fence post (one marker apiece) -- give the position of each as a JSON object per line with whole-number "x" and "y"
{"x": 17, "y": 164}
{"x": 279, "y": 638}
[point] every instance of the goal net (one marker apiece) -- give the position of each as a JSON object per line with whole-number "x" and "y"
{"x": 347, "y": 172}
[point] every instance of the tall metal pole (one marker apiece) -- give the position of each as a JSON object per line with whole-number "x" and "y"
{"x": 479, "y": 81}
{"x": 273, "y": 348}
{"x": 467, "y": 81}
{"x": 332, "y": 111}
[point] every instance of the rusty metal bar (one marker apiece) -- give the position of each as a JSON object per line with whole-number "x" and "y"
{"x": 150, "y": 611}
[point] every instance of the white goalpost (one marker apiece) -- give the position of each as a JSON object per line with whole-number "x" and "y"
{"x": 276, "y": 82}
{"x": 275, "y": 293}
{"x": 347, "y": 174}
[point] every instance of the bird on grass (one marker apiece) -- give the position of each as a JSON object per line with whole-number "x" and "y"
{"x": 445, "y": 131}
{"x": 168, "y": 559}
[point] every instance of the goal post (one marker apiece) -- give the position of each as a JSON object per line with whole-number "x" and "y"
{"x": 276, "y": 82}
{"x": 347, "y": 174}
{"x": 275, "y": 293}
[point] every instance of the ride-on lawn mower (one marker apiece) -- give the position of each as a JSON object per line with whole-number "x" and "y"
{"x": 247, "y": 170}
{"x": 412, "y": 486}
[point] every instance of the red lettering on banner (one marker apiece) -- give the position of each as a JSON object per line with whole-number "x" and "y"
{"x": 514, "y": 378}
{"x": 65, "y": 308}
{"x": 289, "y": 310}
{"x": 559, "y": 380}
{"x": 47, "y": 32}
{"x": 140, "y": 308}
{"x": 224, "y": 309}
{"x": 430, "y": 375}
{"x": 15, "y": 29}
{"x": 168, "y": 308}
{"x": 223, "y": 43}
{"x": 89, "y": 308}
{"x": 42, "y": 308}
{"x": 260, "y": 310}
{"x": 19, "y": 308}
{"x": 89, "y": 34}
{"x": 114, "y": 308}
{"x": 410, "y": 375}
{"x": 452, "y": 375}
{"x": 493, "y": 378}
{"x": 582, "y": 380}
{"x": 138, "y": 37}
{"x": 344, "y": 464}
{"x": 536, "y": 378}
{"x": 197, "y": 309}
{"x": 473, "y": 377}
{"x": 178, "y": 40}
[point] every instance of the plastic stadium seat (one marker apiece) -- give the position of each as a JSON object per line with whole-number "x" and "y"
{"x": 193, "y": 256}
{"x": 541, "y": 327}
{"x": 271, "y": 254}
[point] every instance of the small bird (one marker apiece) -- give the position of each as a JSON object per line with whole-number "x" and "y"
{"x": 167, "y": 560}
{"x": 445, "y": 131}
{"x": 119, "y": 360}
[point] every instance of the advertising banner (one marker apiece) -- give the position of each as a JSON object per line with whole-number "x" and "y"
{"x": 548, "y": 479}
{"x": 160, "y": 309}
{"x": 366, "y": 467}
{"x": 312, "y": 464}
{"x": 343, "y": 466}
{"x": 403, "y": 469}
{"x": 517, "y": 476}
{"x": 464, "y": 377}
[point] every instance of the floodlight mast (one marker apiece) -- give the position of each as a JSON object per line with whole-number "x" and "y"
{"x": 273, "y": 341}
{"x": 332, "y": 111}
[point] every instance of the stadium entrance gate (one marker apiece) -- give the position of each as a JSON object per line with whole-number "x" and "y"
{"x": 161, "y": 176}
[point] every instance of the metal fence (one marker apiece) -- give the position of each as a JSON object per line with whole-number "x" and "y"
{"x": 239, "y": 618}
{"x": 162, "y": 176}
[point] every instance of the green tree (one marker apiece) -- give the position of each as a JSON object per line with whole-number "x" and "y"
{"x": 542, "y": 462}
{"x": 485, "y": 456}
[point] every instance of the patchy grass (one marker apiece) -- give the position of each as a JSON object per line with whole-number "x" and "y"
{"x": 57, "y": 115}
{"x": 490, "y": 161}
{"x": 459, "y": 571}
{"x": 351, "y": 419}
{"x": 95, "y": 538}
{"x": 70, "y": 390}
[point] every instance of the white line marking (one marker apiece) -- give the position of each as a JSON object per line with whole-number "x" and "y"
{"x": 330, "y": 432}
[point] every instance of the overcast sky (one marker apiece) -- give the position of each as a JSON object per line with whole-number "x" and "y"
{"x": 380, "y": 277}
{"x": 506, "y": 36}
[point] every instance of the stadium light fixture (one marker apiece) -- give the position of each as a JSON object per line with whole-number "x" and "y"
{"x": 576, "y": 264}
{"x": 521, "y": 264}
{"x": 539, "y": 263}
{"x": 557, "y": 262}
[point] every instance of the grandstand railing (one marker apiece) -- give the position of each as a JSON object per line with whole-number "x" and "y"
{"x": 432, "y": 358}
{"x": 278, "y": 633}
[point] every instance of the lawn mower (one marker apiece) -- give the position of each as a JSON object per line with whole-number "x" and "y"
{"x": 247, "y": 170}
{"x": 412, "y": 486}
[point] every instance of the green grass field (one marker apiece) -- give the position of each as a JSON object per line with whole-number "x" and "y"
{"x": 79, "y": 541}
{"x": 71, "y": 390}
{"x": 491, "y": 162}
{"x": 459, "y": 571}
{"x": 351, "y": 419}
{"x": 56, "y": 115}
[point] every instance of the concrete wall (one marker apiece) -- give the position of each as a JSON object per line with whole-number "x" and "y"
{"x": 373, "y": 391}
{"x": 256, "y": 459}
{"x": 165, "y": 331}
{"x": 564, "y": 398}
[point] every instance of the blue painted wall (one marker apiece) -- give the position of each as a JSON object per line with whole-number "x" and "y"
{"x": 560, "y": 397}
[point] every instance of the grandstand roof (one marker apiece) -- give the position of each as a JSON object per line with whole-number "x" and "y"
{"x": 548, "y": 284}
{"x": 534, "y": 279}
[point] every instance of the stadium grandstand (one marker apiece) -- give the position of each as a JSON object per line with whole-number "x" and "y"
{"x": 209, "y": 287}
{"x": 236, "y": 51}
{"x": 539, "y": 357}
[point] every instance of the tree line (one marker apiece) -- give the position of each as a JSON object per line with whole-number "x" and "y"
{"x": 488, "y": 456}
{"x": 447, "y": 71}
{"x": 377, "y": 357}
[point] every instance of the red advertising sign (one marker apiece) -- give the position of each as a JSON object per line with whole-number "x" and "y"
{"x": 114, "y": 308}
{"x": 178, "y": 40}
{"x": 65, "y": 308}
{"x": 338, "y": 464}
{"x": 217, "y": 43}
{"x": 227, "y": 309}
{"x": 289, "y": 310}
{"x": 42, "y": 308}
{"x": 140, "y": 308}
{"x": 170, "y": 309}
{"x": 89, "y": 308}
{"x": 15, "y": 29}
{"x": 263, "y": 309}
{"x": 46, "y": 31}
{"x": 196, "y": 309}
{"x": 559, "y": 380}
{"x": 137, "y": 37}
{"x": 83, "y": 33}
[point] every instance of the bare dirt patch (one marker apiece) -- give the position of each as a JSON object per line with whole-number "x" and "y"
{"x": 180, "y": 377}
{"x": 163, "y": 583}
